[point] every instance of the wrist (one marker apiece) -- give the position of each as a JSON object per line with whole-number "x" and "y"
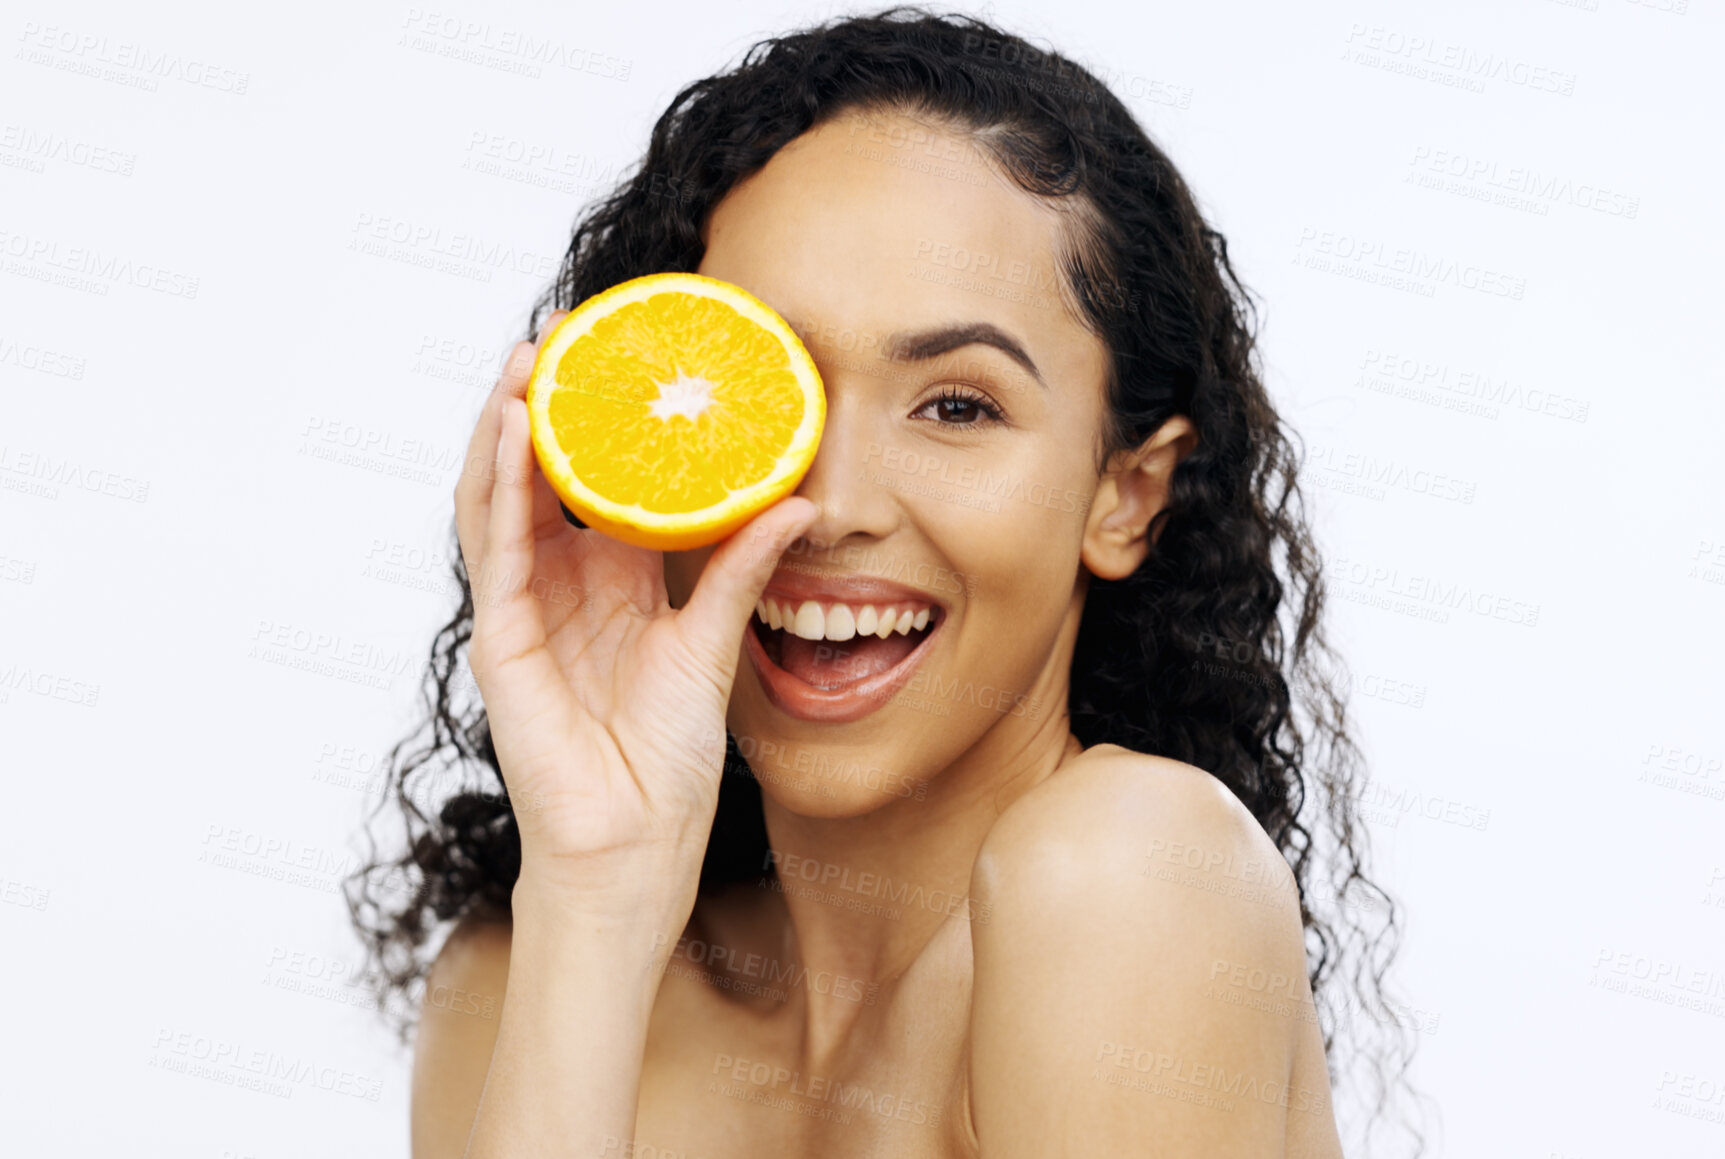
{"x": 610, "y": 895}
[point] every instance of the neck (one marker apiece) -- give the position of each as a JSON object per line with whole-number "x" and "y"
{"x": 862, "y": 897}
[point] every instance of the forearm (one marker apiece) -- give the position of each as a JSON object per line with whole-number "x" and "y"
{"x": 565, "y": 1073}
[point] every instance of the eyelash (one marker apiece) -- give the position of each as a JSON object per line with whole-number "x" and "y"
{"x": 953, "y": 394}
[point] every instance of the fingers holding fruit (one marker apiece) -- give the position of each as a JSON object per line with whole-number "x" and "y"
{"x": 669, "y": 412}
{"x": 473, "y": 491}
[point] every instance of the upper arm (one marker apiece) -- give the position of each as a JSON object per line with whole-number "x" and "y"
{"x": 1136, "y": 917}
{"x": 457, "y": 1030}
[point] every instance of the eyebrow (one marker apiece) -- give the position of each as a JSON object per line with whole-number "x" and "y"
{"x": 917, "y": 345}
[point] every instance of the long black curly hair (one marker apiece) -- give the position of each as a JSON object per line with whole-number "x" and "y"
{"x": 1212, "y": 652}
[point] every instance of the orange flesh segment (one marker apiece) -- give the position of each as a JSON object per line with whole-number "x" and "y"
{"x": 674, "y": 346}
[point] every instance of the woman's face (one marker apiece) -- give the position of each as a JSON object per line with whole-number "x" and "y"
{"x": 956, "y": 471}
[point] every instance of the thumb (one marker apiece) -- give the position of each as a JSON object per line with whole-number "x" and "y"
{"x": 736, "y": 574}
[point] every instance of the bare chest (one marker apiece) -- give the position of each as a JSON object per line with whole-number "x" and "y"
{"x": 725, "y": 1078}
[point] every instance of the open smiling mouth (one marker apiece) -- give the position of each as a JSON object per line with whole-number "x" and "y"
{"x": 837, "y": 662}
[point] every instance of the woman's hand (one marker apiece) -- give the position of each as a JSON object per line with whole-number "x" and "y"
{"x": 606, "y": 706}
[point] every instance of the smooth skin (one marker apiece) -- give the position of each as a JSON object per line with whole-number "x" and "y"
{"x": 984, "y": 940}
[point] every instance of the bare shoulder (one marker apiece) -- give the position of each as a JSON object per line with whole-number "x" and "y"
{"x": 457, "y": 1030}
{"x": 1117, "y": 905}
{"x": 1112, "y": 809}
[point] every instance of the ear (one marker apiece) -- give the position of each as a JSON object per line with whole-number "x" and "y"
{"x": 1133, "y": 489}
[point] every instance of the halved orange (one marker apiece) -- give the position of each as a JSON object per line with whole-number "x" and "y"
{"x": 670, "y": 409}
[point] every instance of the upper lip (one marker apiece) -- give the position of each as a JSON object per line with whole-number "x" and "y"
{"x": 844, "y": 589}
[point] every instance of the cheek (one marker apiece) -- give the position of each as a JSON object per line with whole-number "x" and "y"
{"x": 1009, "y": 524}
{"x": 1015, "y": 558}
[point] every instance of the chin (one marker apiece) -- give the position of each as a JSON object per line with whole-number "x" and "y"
{"x": 815, "y": 775}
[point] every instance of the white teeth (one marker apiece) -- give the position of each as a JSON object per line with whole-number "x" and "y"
{"x": 811, "y": 622}
{"x": 841, "y": 624}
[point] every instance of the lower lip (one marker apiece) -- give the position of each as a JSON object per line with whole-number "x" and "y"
{"x": 804, "y": 701}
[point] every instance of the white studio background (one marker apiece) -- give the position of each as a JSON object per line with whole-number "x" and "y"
{"x": 197, "y": 313}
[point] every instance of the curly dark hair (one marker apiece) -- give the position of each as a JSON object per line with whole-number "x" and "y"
{"x": 1212, "y": 652}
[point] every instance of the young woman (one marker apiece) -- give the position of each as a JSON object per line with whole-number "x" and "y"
{"x": 957, "y": 805}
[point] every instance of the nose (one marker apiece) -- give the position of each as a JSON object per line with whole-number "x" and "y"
{"x": 853, "y": 505}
